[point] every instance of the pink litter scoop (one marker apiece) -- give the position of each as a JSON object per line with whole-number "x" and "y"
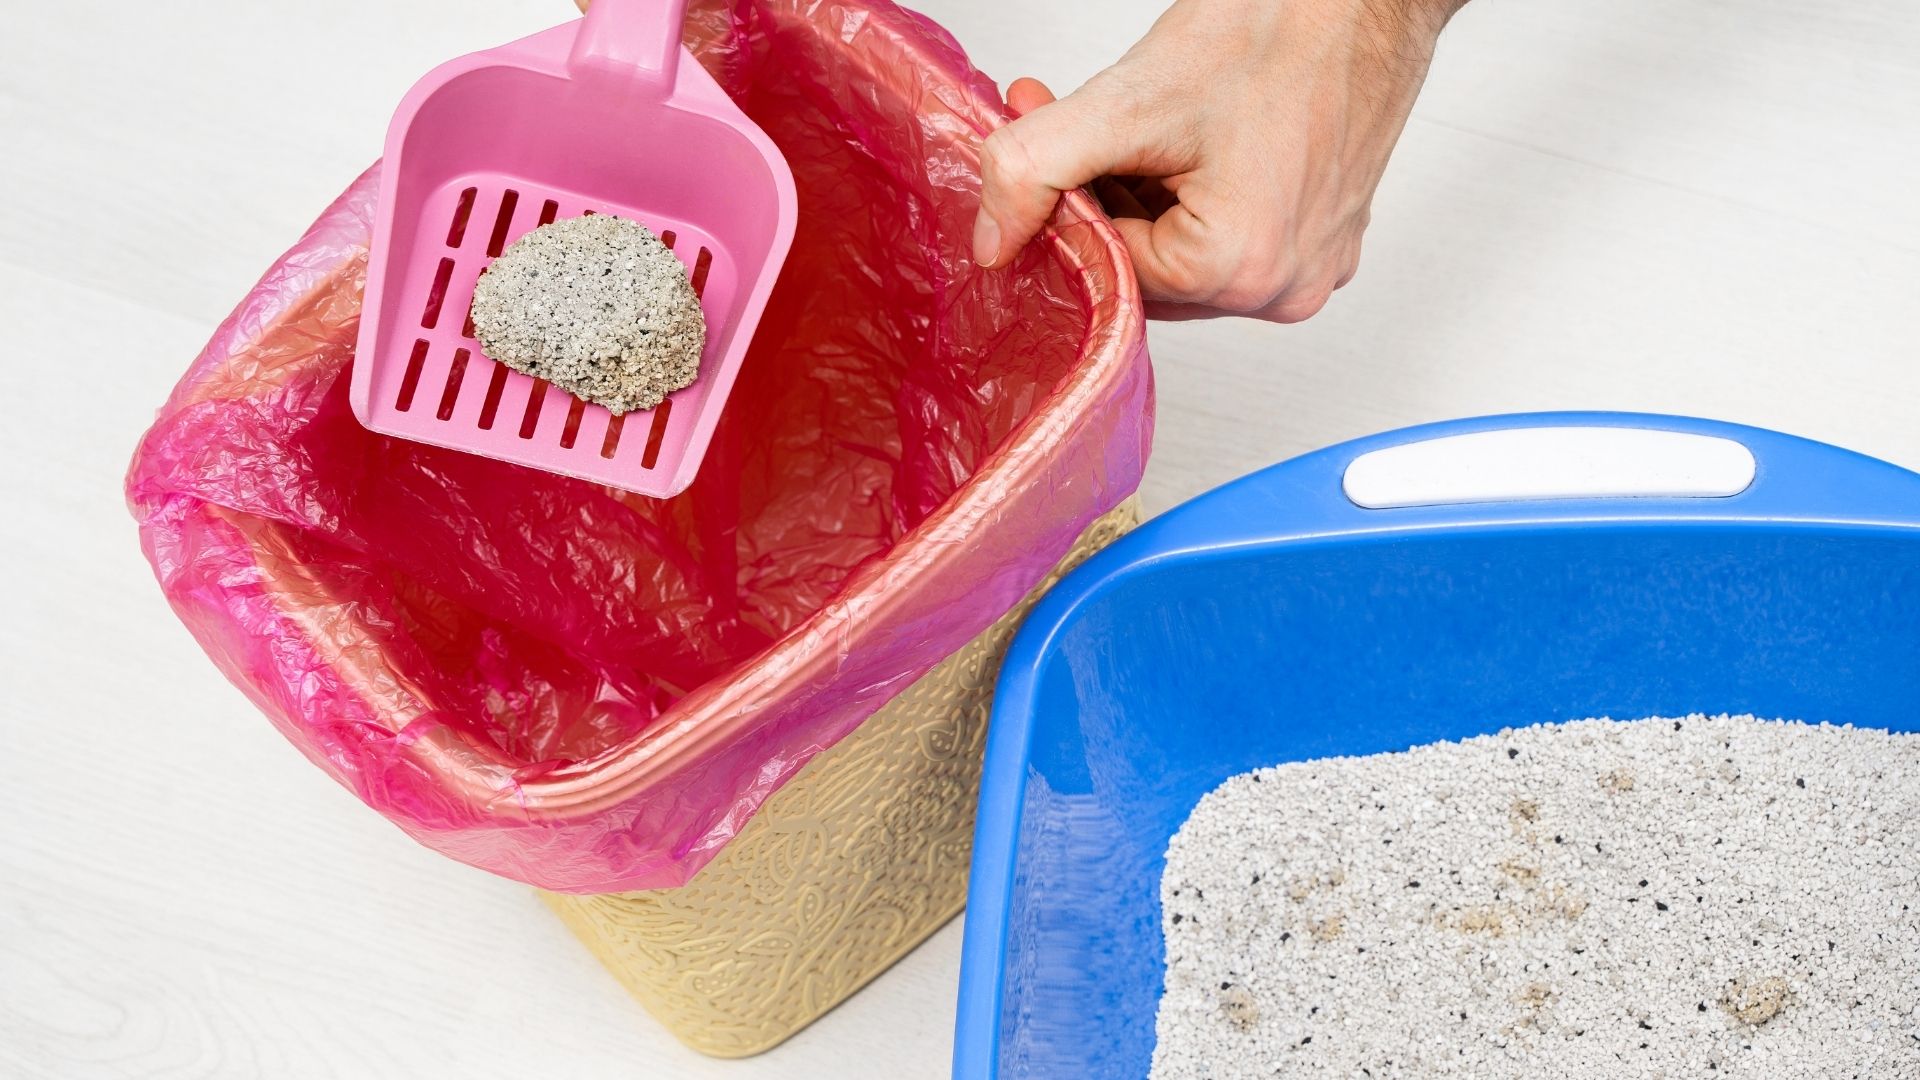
{"x": 608, "y": 115}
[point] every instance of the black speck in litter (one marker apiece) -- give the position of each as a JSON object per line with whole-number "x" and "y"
{"x": 1306, "y": 1040}
{"x": 1178, "y": 918}
{"x": 1413, "y": 884}
{"x": 1661, "y": 905}
{"x": 1512, "y": 753}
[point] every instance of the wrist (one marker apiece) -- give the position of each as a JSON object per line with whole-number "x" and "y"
{"x": 1417, "y": 21}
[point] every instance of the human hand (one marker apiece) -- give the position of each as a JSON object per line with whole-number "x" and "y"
{"x": 1237, "y": 145}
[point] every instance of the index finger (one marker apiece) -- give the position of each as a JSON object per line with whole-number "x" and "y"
{"x": 1171, "y": 258}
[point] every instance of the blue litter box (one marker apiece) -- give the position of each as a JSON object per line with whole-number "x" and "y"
{"x": 1431, "y": 584}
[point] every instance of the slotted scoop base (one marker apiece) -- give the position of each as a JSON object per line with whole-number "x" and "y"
{"x": 450, "y": 393}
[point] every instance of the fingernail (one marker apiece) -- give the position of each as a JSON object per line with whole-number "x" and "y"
{"x": 986, "y": 241}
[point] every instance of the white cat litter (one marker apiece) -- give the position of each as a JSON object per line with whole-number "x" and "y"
{"x": 1722, "y": 897}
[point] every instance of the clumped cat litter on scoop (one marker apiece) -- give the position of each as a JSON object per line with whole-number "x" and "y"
{"x": 596, "y": 305}
{"x": 1721, "y": 897}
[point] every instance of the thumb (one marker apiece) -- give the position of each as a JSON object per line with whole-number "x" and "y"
{"x": 1055, "y": 146}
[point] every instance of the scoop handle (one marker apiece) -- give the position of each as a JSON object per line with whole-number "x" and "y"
{"x": 635, "y": 40}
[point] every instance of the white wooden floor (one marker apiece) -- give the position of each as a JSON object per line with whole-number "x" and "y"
{"x": 1685, "y": 205}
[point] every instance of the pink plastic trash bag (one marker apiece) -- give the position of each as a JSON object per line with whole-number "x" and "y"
{"x": 592, "y": 691}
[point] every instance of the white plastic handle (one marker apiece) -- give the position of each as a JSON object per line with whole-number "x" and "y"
{"x": 1515, "y": 464}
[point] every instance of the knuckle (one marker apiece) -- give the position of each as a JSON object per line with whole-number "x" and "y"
{"x": 1303, "y": 306}
{"x": 1194, "y": 276}
{"x": 1123, "y": 91}
{"x": 1260, "y": 272}
{"x": 1005, "y": 158}
{"x": 1263, "y": 276}
{"x": 1242, "y": 296}
{"x": 1124, "y": 103}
